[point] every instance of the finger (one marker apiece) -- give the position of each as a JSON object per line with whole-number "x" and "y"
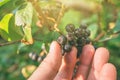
{"x": 108, "y": 72}
{"x": 67, "y": 67}
{"x": 85, "y": 62}
{"x": 100, "y": 58}
{"x": 47, "y": 70}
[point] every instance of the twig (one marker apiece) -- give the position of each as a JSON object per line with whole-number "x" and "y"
{"x": 59, "y": 18}
{"x": 99, "y": 36}
{"x": 9, "y": 43}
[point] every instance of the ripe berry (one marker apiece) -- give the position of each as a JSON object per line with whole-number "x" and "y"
{"x": 67, "y": 47}
{"x": 88, "y": 41}
{"x": 70, "y": 28}
{"x": 83, "y": 26}
{"x": 70, "y": 36}
{"x": 33, "y": 56}
{"x": 39, "y": 59}
{"x": 87, "y": 32}
{"x": 72, "y": 42}
{"x": 78, "y": 32}
{"x": 62, "y": 40}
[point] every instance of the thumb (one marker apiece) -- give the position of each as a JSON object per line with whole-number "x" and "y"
{"x": 48, "y": 69}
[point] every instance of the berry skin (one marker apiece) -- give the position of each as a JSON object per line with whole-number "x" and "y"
{"x": 39, "y": 59}
{"x": 70, "y": 36}
{"x": 72, "y": 42}
{"x": 78, "y": 32}
{"x": 70, "y": 28}
{"x": 33, "y": 56}
{"x": 62, "y": 40}
{"x": 83, "y": 26}
{"x": 67, "y": 47}
{"x": 88, "y": 41}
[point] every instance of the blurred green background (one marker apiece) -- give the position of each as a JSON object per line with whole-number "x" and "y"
{"x": 26, "y": 30}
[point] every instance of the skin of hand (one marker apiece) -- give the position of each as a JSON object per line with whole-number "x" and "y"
{"x": 93, "y": 65}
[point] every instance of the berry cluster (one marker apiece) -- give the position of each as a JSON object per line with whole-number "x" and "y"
{"x": 35, "y": 57}
{"x": 77, "y": 37}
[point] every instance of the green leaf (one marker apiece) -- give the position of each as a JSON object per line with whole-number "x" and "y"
{"x": 71, "y": 16}
{"x": 45, "y": 35}
{"x": 117, "y": 26}
{"x": 93, "y": 28}
{"x": 8, "y": 30}
{"x": 115, "y": 2}
{"x": 27, "y": 35}
{"x": 3, "y": 2}
{"x": 107, "y": 37}
{"x": 8, "y": 6}
{"x": 24, "y": 16}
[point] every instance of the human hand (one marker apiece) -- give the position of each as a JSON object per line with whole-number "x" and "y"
{"x": 93, "y": 65}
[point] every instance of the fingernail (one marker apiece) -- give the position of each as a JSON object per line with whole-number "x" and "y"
{"x": 53, "y": 46}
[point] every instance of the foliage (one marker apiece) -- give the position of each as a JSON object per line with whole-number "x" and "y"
{"x": 25, "y": 25}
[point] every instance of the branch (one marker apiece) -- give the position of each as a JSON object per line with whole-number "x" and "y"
{"x": 9, "y": 43}
{"x": 61, "y": 13}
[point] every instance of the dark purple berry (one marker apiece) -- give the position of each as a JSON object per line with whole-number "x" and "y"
{"x": 83, "y": 26}
{"x": 78, "y": 32}
{"x": 67, "y": 47}
{"x": 70, "y": 36}
{"x": 62, "y": 40}
{"x": 39, "y": 59}
{"x": 87, "y": 32}
{"x": 70, "y": 28}
{"x": 33, "y": 56}
{"x": 88, "y": 41}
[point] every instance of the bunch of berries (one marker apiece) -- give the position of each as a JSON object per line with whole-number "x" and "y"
{"x": 77, "y": 37}
{"x": 36, "y": 57}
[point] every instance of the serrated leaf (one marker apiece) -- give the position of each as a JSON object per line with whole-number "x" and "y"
{"x": 8, "y": 30}
{"x": 24, "y": 16}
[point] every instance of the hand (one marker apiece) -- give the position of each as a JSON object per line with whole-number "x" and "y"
{"x": 93, "y": 65}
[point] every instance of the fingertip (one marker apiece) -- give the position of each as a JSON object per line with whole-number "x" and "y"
{"x": 50, "y": 65}
{"x": 85, "y": 62}
{"x": 109, "y": 67}
{"x": 89, "y": 47}
{"x": 108, "y": 72}
{"x": 54, "y": 46}
{"x": 102, "y": 49}
{"x": 70, "y": 57}
{"x": 74, "y": 50}
{"x": 67, "y": 66}
{"x": 87, "y": 54}
{"x": 101, "y": 57}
